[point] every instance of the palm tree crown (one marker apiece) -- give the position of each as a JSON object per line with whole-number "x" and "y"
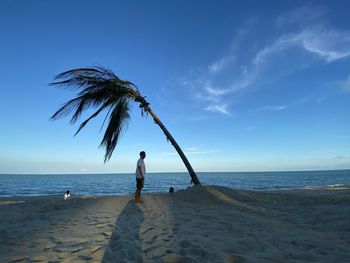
{"x": 102, "y": 89}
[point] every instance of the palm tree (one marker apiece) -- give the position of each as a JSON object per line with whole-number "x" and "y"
{"x": 101, "y": 88}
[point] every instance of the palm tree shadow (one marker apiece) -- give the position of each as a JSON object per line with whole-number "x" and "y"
{"x": 125, "y": 243}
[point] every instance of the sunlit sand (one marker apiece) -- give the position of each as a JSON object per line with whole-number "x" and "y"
{"x": 200, "y": 224}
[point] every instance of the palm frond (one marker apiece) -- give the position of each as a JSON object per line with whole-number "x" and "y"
{"x": 89, "y": 77}
{"x": 104, "y": 120}
{"x": 82, "y": 102}
{"x": 98, "y": 88}
{"x": 104, "y": 106}
{"x": 117, "y": 122}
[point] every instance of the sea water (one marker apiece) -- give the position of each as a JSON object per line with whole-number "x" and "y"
{"x": 124, "y": 184}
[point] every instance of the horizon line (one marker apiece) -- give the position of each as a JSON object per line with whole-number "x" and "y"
{"x": 262, "y": 171}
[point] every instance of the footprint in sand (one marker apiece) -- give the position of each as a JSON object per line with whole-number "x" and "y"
{"x": 95, "y": 249}
{"x": 105, "y": 234}
{"x": 85, "y": 258}
{"x": 177, "y": 259}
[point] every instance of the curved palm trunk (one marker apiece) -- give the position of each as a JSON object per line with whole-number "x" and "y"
{"x": 195, "y": 180}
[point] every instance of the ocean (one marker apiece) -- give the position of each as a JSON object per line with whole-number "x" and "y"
{"x": 124, "y": 184}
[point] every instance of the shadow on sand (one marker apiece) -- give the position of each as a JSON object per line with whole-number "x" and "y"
{"x": 125, "y": 243}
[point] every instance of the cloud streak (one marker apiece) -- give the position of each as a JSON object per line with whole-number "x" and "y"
{"x": 281, "y": 107}
{"x": 219, "y": 65}
{"x": 271, "y": 108}
{"x": 300, "y": 16}
{"x": 192, "y": 151}
{"x": 345, "y": 85}
{"x": 221, "y": 108}
{"x": 310, "y": 36}
{"x": 328, "y": 44}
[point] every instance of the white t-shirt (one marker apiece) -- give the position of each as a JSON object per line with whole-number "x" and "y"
{"x": 140, "y": 163}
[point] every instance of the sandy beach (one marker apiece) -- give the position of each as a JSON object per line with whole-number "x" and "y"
{"x": 199, "y": 224}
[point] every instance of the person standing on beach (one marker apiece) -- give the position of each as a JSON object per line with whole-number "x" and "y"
{"x": 140, "y": 176}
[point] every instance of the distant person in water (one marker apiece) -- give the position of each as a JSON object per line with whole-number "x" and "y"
{"x": 66, "y": 195}
{"x": 140, "y": 176}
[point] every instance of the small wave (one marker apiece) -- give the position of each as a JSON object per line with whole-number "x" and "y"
{"x": 336, "y": 185}
{"x": 331, "y": 186}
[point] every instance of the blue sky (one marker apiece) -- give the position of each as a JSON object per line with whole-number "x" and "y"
{"x": 241, "y": 85}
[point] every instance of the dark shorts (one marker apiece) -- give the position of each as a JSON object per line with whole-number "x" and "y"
{"x": 140, "y": 183}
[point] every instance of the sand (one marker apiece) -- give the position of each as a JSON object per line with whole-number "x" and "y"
{"x": 199, "y": 224}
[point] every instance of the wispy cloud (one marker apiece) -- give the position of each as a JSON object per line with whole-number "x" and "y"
{"x": 271, "y": 108}
{"x": 219, "y": 108}
{"x": 218, "y": 95}
{"x": 300, "y": 16}
{"x": 345, "y": 85}
{"x": 250, "y": 128}
{"x": 304, "y": 31}
{"x": 341, "y": 85}
{"x": 219, "y": 65}
{"x": 281, "y": 107}
{"x": 281, "y": 44}
{"x": 192, "y": 151}
{"x": 328, "y": 44}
